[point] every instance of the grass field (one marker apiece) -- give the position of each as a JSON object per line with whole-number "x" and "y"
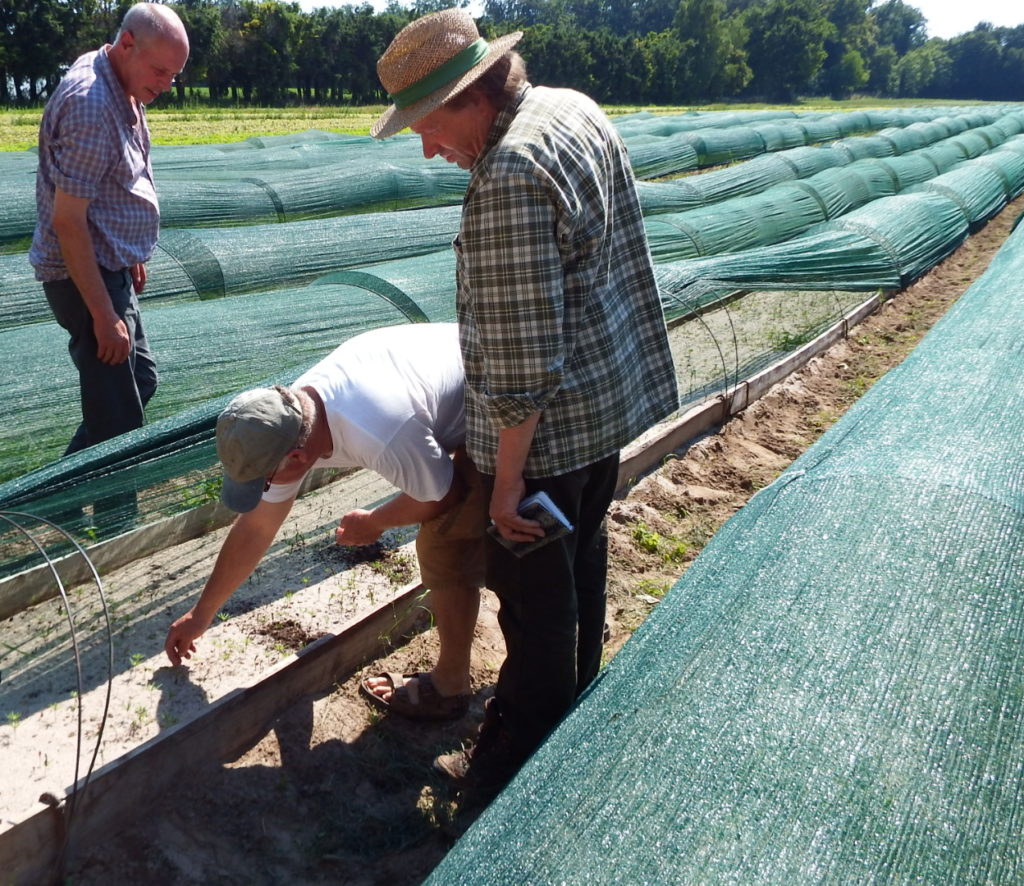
{"x": 201, "y": 124}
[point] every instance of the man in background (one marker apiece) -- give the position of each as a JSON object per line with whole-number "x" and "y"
{"x": 98, "y": 214}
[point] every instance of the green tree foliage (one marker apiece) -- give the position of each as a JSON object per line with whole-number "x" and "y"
{"x": 786, "y": 47}
{"x": 900, "y": 26}
{"x": 882, "y": 79}
{"x": 618, "y": 51}
{"x": 845, "y": 70}
{"x": 661, "y": 52}
{"x": 977, "y": 59}
{"x": 206, "y": 35}
{"x": 704, "y": 49}
{"x": 924, "y": 72}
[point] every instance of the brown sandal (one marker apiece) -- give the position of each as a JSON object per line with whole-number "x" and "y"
{"x": 423, "y": 702}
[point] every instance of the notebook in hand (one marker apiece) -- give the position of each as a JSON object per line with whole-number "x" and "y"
{"x": 541, "y": 508}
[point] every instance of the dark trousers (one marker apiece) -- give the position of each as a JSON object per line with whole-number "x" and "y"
{"x": 552, "y": 612}
{"x": 114, "y": 398}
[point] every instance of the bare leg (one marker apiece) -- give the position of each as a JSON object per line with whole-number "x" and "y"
{"x": 455, "y": 611}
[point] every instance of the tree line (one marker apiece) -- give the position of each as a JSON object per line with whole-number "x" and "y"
{"x": 667, "y": 52}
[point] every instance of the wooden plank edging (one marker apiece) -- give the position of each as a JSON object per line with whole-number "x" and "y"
{"x": 118, "y": 792}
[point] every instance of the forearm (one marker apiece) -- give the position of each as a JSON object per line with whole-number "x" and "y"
{"x": 71, "y": 226}
{"x": 513, "y": 449}
{"x": 248, "y": 540}
{"x": 403, "y": 510}
{"x": 509, "y": 487}
{"x": 365, "y": 527}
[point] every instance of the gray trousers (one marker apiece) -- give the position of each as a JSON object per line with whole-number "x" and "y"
{"x": 114, "y": 398}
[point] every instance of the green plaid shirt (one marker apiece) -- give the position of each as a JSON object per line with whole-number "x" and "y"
{"x": 557, "y": 305}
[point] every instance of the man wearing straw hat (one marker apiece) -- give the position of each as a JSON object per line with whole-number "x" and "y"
{"x": 563, "y": 341}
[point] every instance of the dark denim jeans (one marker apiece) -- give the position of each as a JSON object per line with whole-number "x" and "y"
{"x": 552, "y": 611}
{"x": 114, "y": 398}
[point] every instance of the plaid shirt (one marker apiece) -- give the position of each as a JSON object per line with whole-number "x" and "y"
{"x": 557, "y": 305}
{"x": 90, "y": 147}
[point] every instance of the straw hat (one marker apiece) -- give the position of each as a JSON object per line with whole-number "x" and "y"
{"x": 429, "y": 62}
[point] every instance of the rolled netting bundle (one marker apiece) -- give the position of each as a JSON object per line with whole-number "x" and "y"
{"x": 944, "y": 155}
{"x": 861, "y": 148}
{"x": 904, "y": 140}
{"x": 210, "y": 263}
{"x": 780, "y": 136}
{"x": 909, "y": 169}
{"x": 849, "y": 187}
{"x": 298, "y": 194}
{"x": 781, "y": 212}
{"x": 983, "y": 186}
{"x": 673, "y": 124}
{"x": 972, "y": 142}
{"x": 666, "y": 156}
{"x": 832, "y": 693}
{"x": 885, "y": 244}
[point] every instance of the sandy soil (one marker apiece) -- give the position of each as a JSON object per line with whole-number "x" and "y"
{"x": 336, "y": 792}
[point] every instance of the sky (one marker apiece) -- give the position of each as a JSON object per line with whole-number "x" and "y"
{"x": 946, "y": 18}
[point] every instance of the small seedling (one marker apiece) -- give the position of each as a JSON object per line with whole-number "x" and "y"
{"x": 646, "y": 539}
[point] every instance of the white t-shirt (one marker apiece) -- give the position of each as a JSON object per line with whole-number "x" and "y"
{"x": 394, "y": 403}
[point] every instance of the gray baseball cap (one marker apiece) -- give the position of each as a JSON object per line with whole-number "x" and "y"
{"x": 254, "y": 433}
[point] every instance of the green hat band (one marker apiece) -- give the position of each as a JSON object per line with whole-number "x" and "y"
{"x": 454, "y": 67}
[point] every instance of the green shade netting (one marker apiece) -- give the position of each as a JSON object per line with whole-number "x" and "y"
{"x": 719, "y": 337}
{"x": 673, "y": 124}
{"x": 666, "y": 155}
{"x": 971, "y": 142}
{"x": 779, "y": 136}
{"x": 203, "y": 350}
{"x": 754, "y": 175}
{"x": 785, "y": 210}
{"x": 208, "y": 350}
{"x": 864, "y": 147}
{"x": 909, "y": 169}
{"x": 834, "y": 691}
{"x": 299, "y": 194}
{"x": 904, "y": 140}
{"x": 945, "y": 155}
{"x": 845, "y": 188}
{"x": 213, "y": 262}
{"x": 884, "y": 245}
{"x": 1010, "y": 124}
{"x": 781, "y": 212}
{"x": 289, "y": 180}
{"x": 982, "y": 187}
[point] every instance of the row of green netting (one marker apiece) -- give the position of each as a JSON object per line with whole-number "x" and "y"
{"x": 299, "y": 289}
{"x": 739, "y": 207}
{"x": 834, "y": 690}
{"x": 291, "y": 181}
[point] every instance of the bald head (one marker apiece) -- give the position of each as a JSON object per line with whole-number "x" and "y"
{"x": 150, "y": 50}
{"x": 153, "y": 21}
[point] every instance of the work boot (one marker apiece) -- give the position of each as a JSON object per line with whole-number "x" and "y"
{"x": 487, "y": 765}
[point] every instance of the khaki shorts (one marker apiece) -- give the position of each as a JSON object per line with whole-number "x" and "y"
{"x": 451, "y": 546}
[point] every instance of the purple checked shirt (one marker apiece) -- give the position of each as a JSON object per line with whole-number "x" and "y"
{"x": 91, "y": 147}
